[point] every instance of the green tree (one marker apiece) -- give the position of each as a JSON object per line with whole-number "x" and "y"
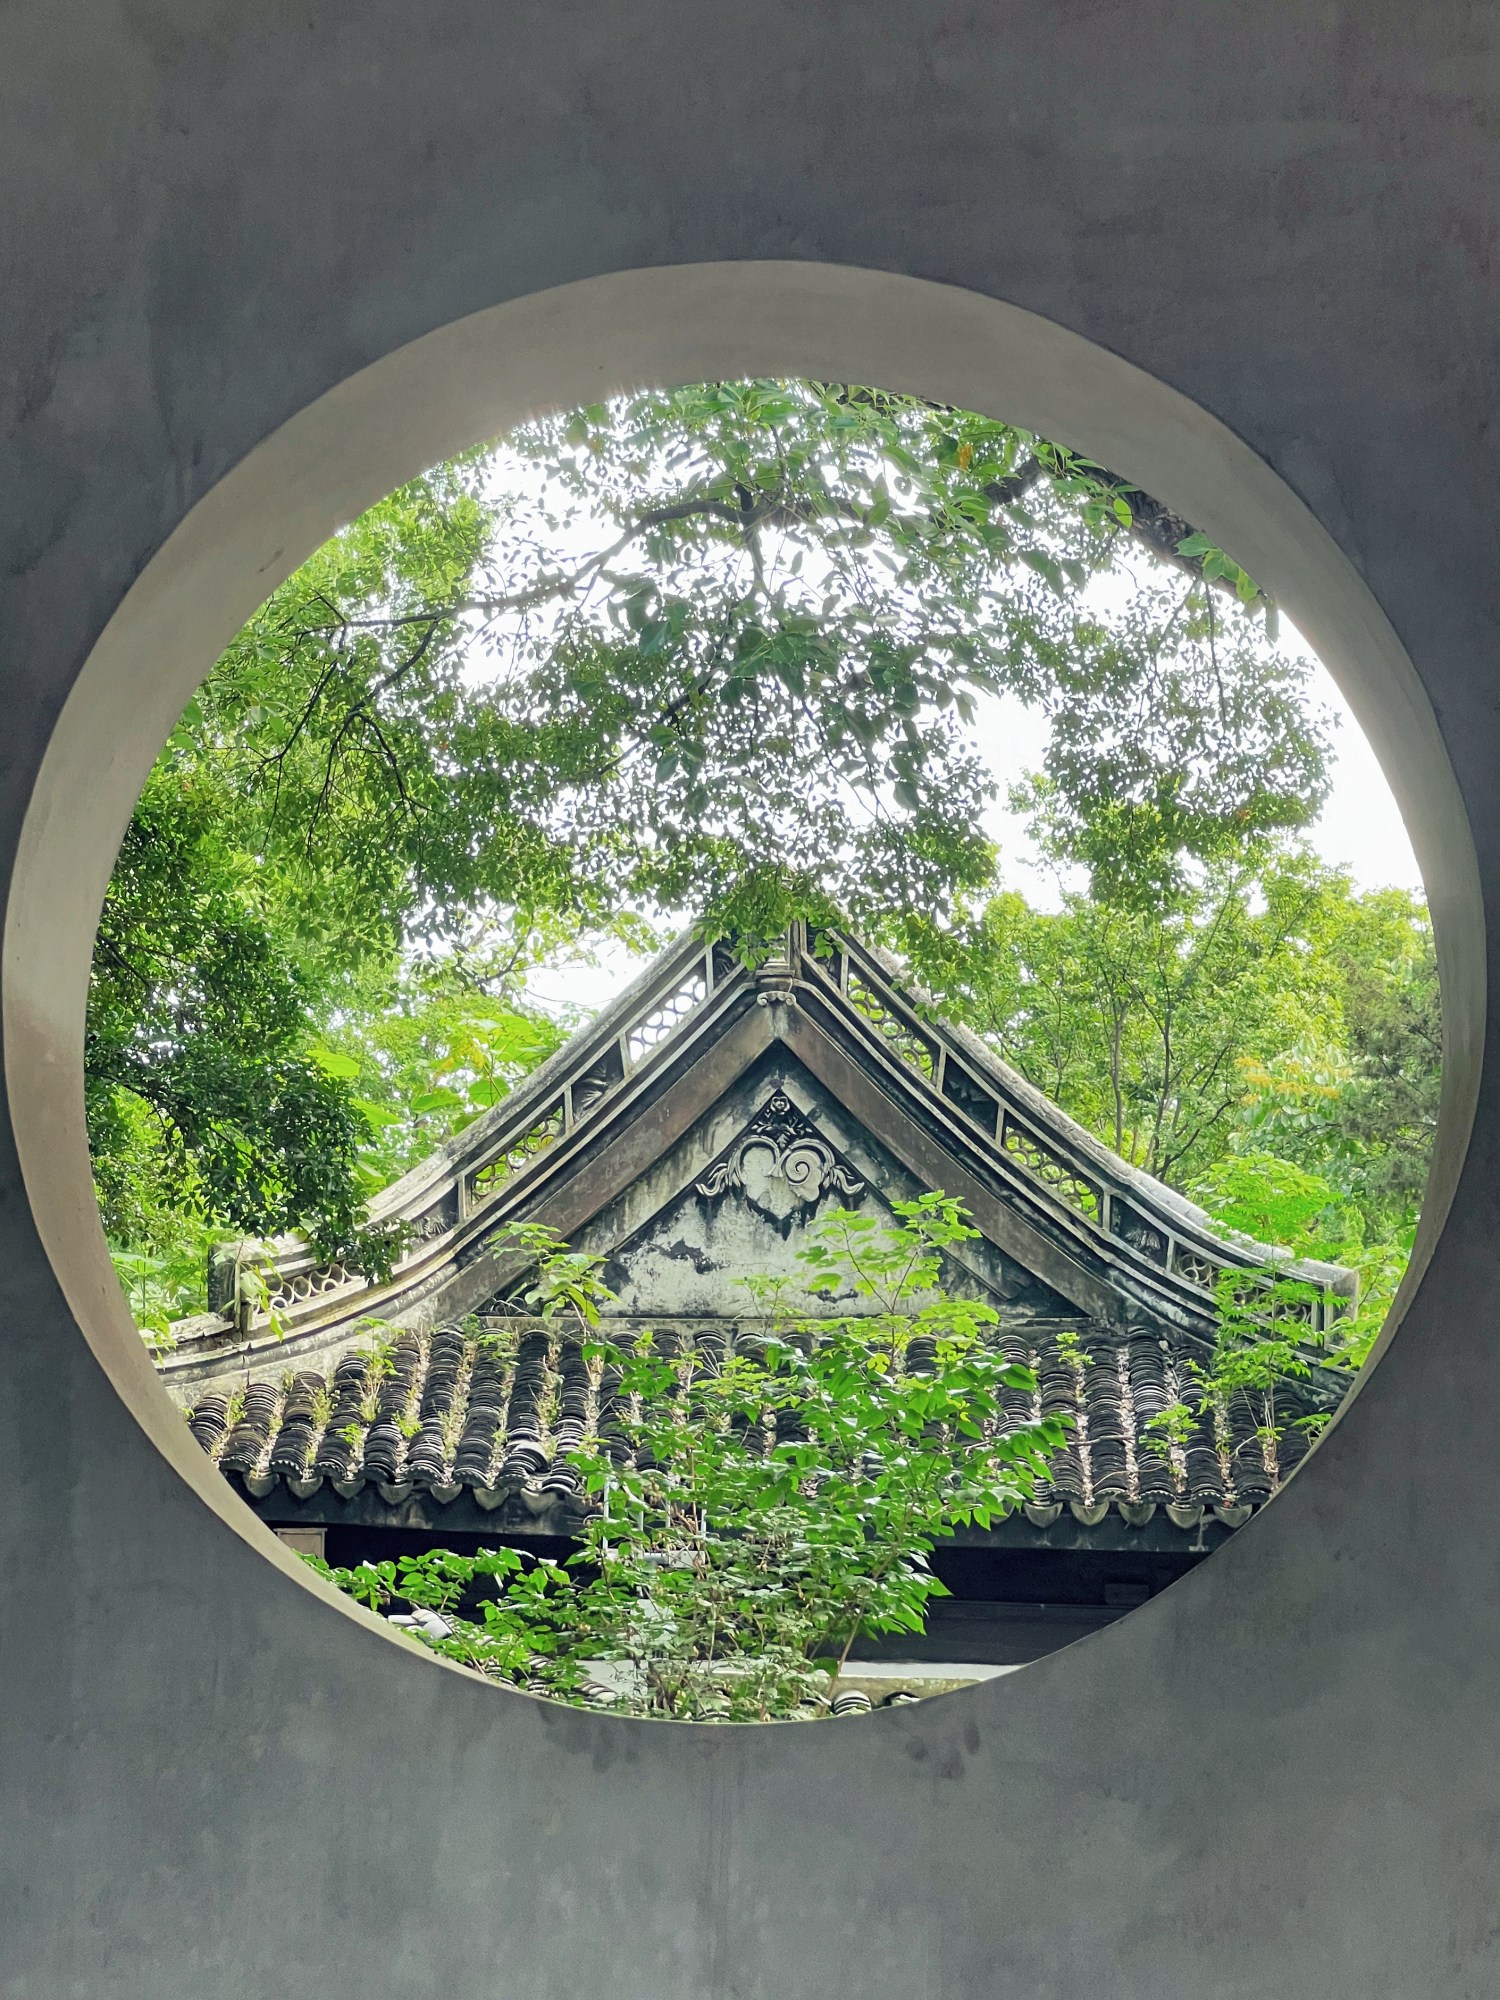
{"x": 1354, "y": 1111}
{"x": 200, "y": 1087}
{"x": 761, "y": 1506}
{"x": 426, "y": 1048}
{"x": 1363, "y": 1110}
{"x": 716, "y": 650}
{"x": 1141, "y": 1022}
{"x": 1269, "y": 1042}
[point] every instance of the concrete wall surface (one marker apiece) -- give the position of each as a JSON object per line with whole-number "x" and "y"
{"x": 223, "y": 223}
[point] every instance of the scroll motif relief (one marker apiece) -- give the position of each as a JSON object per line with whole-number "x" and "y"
{"x": 781, "y": 1144}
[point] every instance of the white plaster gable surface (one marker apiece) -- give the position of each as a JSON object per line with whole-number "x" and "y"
{"x": 758, "y": 1205}
{"x": 754, "y": 1210}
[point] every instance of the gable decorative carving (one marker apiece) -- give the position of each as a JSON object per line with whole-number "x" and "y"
{"x": 780, "y": 1143}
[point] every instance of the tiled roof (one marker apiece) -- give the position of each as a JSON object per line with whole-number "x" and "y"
{"x": 494, "y": 1415}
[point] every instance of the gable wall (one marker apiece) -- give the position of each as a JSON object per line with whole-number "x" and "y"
{"x": 715, "y": 1209}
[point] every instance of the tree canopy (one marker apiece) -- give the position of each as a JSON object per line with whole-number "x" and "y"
{"x": 727, "y": 652}
{"x": 1266, "y": 1040}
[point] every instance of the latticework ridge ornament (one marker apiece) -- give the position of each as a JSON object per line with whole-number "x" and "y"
{"x": 1201, "y": 1271}
{"x": 912, "y": 1047}
{"x": 1054, "y": 1173}
{"x": 300, "y": 1286}
{"x": 547, "y": 1129}
{"x": 667, "y": 1015}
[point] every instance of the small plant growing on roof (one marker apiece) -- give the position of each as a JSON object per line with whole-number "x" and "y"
{"x": 757, "y": 1507}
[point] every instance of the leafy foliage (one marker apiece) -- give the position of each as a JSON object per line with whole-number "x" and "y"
{"x": 198, "y": 1020}
{"x": 425, "y": 1052}
{"x": 1360, "y": 1106}
{"x": 1142, "y": 1022}
{"x": 1262, "y": 1343}
{"x": 760, "y": 1509}
{"x": 719, "y": 649}
{"x": 1266, "y": 1040}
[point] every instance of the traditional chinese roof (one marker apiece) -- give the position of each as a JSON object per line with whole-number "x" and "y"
{"x": 690, "y": 1134}
{"x": 470, "y": 1429}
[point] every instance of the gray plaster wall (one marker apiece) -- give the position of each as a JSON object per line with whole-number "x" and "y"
{"x": 673, "y": 1250}
{"x": 1282, "y": 1774}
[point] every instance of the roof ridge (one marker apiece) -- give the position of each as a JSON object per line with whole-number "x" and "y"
{"x": 1159, "y": 1192}
{"x": 1073, "y": 1198}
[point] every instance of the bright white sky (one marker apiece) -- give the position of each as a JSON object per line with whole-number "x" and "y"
{"x": 1361, "y": 828}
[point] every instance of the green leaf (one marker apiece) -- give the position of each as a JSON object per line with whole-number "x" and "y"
{"x": 1046, "y": 567}
{"x": 1196, "y": 545}
{"x": 436, "y": 1100}
{"x": 332, "y": 1062}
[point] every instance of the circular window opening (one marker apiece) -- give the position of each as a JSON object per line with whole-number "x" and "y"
{"x": 763, "y": 1052}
